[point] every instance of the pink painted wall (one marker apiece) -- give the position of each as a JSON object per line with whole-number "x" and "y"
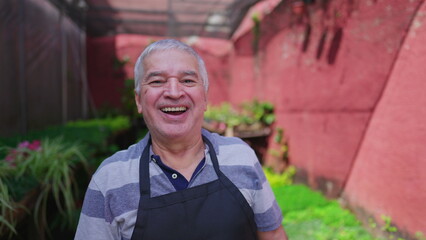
{"x": 389, "y": 174}
{"x": 326, "y": 70}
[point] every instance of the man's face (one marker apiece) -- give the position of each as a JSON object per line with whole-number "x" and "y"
{"x": 172, "y": 98}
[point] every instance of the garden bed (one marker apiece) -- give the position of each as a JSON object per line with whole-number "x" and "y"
{"x": 308, "y": 215}
{"x": 45, "y": 173}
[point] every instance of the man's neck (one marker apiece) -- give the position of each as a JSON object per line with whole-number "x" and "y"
{"x": 182, "y": 156}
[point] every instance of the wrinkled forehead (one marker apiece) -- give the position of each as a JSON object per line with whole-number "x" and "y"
{"x": 172, "y": 60}
{"x": 164, "y": 54}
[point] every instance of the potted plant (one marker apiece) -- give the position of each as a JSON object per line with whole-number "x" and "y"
{"x": 252, "y": 119}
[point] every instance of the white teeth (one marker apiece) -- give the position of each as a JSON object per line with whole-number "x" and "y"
{"x": 173, "y": 109}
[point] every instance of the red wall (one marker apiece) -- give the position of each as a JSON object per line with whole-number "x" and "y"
{"x": 326, "y": 70}
{"x": 389, "y": 174}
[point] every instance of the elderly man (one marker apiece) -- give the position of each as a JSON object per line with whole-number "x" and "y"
{"x": 180, "y": 181}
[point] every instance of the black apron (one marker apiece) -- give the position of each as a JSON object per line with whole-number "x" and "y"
{"x": 215, "y": 211}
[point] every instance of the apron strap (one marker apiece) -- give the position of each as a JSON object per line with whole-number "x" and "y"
{"x": 212, "y": 154}
{"x": 144, "y": 181}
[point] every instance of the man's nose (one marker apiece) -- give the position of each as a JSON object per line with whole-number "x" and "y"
{"x": 174, "y": 88}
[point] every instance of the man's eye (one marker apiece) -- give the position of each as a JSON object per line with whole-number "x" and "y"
{"x": 156, "y": 82}
{"x": 189, "y": 81}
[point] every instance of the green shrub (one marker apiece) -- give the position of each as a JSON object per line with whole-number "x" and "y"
{"x": 93, "y": 131}
{"x": 298, "y": 197}
{"x": 92, "y": 136}
{"x": 248, "y": 113}
{"x": 276, "y": 180}
{"x": 46, "y": 166}
{"x": 54, "y": 165}
{"x": 308, "y": 215}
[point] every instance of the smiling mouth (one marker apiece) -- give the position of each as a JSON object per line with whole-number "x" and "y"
{"x": 174, "y": 110}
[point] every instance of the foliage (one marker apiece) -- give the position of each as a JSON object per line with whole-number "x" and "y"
{"x": 285, "y": 178}
{"x": 7, "y": 224}
{"x": 249, "y": 113}
{"x": 298, "y": 198}
{"x": 420, "y": 236}
{"x": 224, "y": 113}
{"x": 119, "y": 63}
{"x": 128, "y": 99}
{"x": 387, "y": 227}
{"x": 256, "y": 31}
{"x": 91, "y": 134}
{"x": 308, "y": 215}
{"x": 257, "y": 111}
{"x": 51, "y": 164}
{"x": 281, "y": 149}
{"x": 49, "y": 170}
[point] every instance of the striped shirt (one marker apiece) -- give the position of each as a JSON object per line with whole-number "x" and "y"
{"x": 111, "y": 201}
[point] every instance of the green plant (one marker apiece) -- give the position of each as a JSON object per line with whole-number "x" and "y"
{"x": 372, "y": 224}
{"x": 420, "y": 236}
{"x": 256, "y": 31}
{"x": 387, "y": 227}
{"x": 7, "y": 222}
{"x": 308, "y": 215}
{"x": 298, "y": 198}
{"x": 92, "y": 135}
{"x": 252, "y": 115}
{"x": 275, "y": 179}
{"x": 128, "y": 99}
{"x": 280, "y": 150}
{"x": 51, "y": 163}
{"x": 258, "y": 111}
{"x": 223, "y": 113}
{"x": 119, "y": 63}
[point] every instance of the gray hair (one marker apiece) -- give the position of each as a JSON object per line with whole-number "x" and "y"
{"x": 169, "y": 44}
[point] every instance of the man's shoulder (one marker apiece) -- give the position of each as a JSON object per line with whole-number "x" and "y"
{"x": 232, "y": 150}
{"x": 122, "y": 156}
{"x": 219, "y": 140}
{"x": 121, "y": 162}
{"x": 120, "y": 171}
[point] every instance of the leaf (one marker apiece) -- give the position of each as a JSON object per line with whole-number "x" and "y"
{"x": 9, "y": 225}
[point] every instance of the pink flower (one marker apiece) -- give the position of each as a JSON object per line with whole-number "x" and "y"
{"x": 24, "y": 144}
{"x": 22, "y": 150}
{"x": 11, "y": 156}
{"x": 35, "y": 145}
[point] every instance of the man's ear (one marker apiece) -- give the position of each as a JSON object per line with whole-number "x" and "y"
{"x": 138, "y": 102}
